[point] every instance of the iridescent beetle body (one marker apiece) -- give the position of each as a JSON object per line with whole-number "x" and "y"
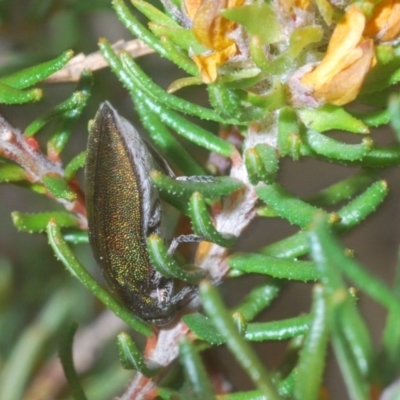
{"x": 123, "y": 209}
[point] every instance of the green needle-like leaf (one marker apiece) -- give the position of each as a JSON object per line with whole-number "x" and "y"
{"x": 394, "y": 113}
{"x": 203, "y": 225}
{"x": 136, "y": 28}
{"x": 11, "y": 173}
{"x": 58, "y": 187}
{"x": 181, "y": 37}
{"x": 191, "y": 131}
{"x": 261, "y": 163}
{"x": 66, "y": 106}
{"x": 166, "y": 142}
{"x": 169, "y": 394}
{"x": 380, "y": 157}
{"x": 10, "y": 95}
{"x": 388, "y": 363}
{"x": 258, "y": 299}
{"x": 375, "y": 119}
{"x": 357, "y": 387}
{"x": 345, "y": 318}
{"x": 278, "y": 330}
{"x": 167, "y": 266}
{"x": 276, "y": 267}
{"x": 259, "y": 19}
{"x": 74, "y": 165}
{"x": 156, "y": 93}
{"x": 76, "y": 237}
{"x": 383, "y": 75}
{"x": 195, "y": 371}
{"x": 203, "y": 328}
{"x": 331, "y": 117}
{"x": 182, "y": 126}
{"x": 227, "y": 102}
{"x": 68, "y": 119}
{"x": 131, "y": 357}
{"x": 313, "y": 352}
{"x": 343, "y": 190}
{"x": 65, "y": 255}
{"x": 241, "y": 349}
{"x": 363, "y": 205}
{"x": 286, "y": 205}
{"x": 291, "y": 247}
{"x": 358, "y": 275}
{"x": 32, "y": 75}
{"x": 288, "y": 132}
{"x": 179, "y": 191}
{"x": 37, "y": 222}
{"x": 65, "y": 351}
{"x": 154, "y": 14}
{"x": 336, "y": 150}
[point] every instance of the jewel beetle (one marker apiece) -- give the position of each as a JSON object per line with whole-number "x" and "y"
{"x": 124, "y": 208}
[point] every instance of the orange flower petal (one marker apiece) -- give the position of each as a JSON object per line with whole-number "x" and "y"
{"x": 385, "y": 22}
{"x": 207, "y": 64}
{"x": 342, "y": 49}
{"x": 303, "y": 4}
{"x": 338, "y": 78}
{"x": 191, "y": 7}
{"x": 289, "y": 5}
{"x": 345, "y": 86}
{"x": 210, "y": 27}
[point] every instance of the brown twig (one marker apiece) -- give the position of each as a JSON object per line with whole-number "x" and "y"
{"x": 95, "y": 61}
{"x": 25, "y": 152}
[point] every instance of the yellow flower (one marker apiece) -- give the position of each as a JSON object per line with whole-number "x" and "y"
{"x": 208, "y": 63}
{"x": 211, "y": 29}
{"x": 303, "y": 4}
{"x": 191, "y": 7}
{"x": 289, "y": 5}
{"x": 338, "y": 78}
{"x": 385, "y": 22}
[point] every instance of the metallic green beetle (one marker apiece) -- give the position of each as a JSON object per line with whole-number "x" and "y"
{"x": 123, "y": 209}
